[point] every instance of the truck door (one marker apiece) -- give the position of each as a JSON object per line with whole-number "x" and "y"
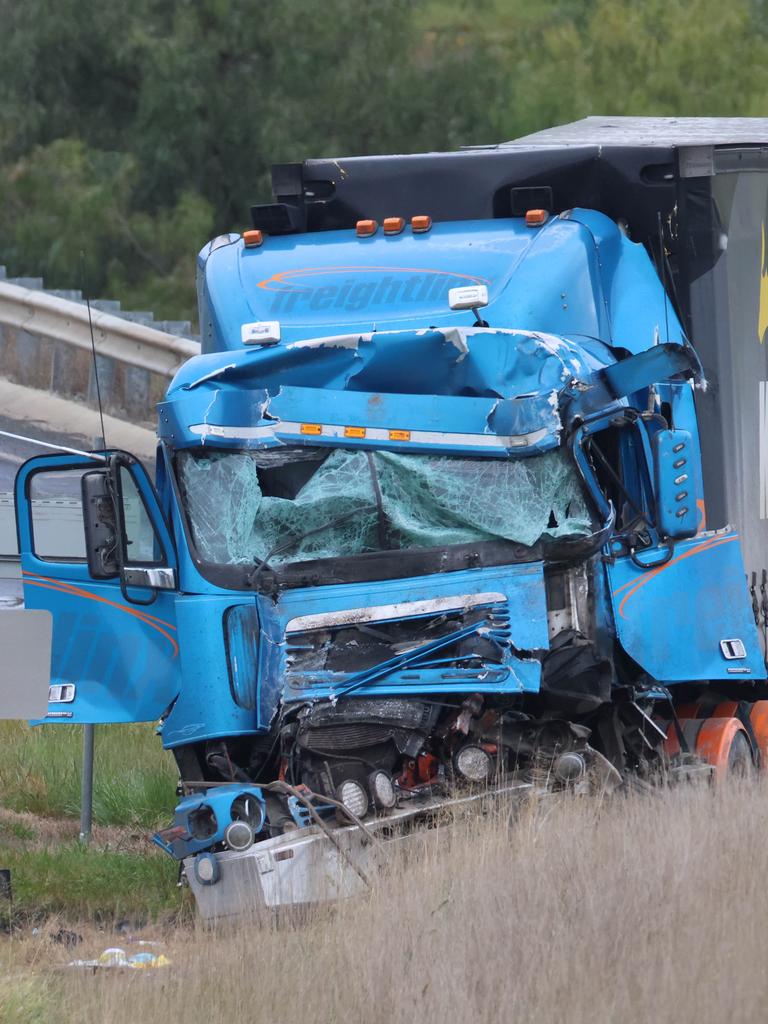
{"x": 680, "y": 603}
{"x": 96, "y": 552}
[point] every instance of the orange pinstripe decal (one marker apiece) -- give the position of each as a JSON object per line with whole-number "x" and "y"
{"x": 702, "y": 514}
{"x": 65, "y": 588}
{"x": 698, "y": 550}
{"x": 654, "y": 572}
{"x": 286, "y": 277}
{"x": 63, "y": 585}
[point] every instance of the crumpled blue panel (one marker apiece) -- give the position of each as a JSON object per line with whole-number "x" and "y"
{"x": 454, "y": 361}
{"x": 459, "y": 379}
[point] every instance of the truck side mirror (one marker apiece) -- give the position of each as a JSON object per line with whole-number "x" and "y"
{"x": 676, "y": 484}
{"x": 100, "y": 522}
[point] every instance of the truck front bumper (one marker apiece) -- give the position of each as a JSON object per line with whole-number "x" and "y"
{"x": 304, "y": 868}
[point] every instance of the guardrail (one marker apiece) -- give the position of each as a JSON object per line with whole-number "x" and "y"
{"x": 135, "y": 344}
{"x": 45, "y": 343}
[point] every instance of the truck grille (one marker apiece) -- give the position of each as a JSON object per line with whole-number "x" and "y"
{"x": 333, "y": 650}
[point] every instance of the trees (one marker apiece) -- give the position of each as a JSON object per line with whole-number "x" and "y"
{"x": 133, "y": 132}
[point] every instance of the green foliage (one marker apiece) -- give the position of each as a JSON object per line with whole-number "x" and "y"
{"x": 134, "y": 778}
{"x": 85, "y": 882}
{"x": 131, "y": 133}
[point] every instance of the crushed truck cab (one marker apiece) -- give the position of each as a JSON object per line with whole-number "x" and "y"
{"x": 430, "y": 514}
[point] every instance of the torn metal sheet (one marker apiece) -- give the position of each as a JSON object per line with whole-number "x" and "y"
{"x": 499, "y": 390}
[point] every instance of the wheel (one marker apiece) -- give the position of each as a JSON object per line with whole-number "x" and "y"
{"x": 721, "y": 742}
{"x": 740, "y": 763}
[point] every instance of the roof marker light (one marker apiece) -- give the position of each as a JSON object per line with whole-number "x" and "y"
{"x": 393, "y": 225}
{"x": 399, "y": 435}
{"x": 535, "y": 218}
{"x": 252, "y": 239}
{"x": 366, "y": 228}
{"x": 421, "y": 223}
{"x": 310, "y": 428}
{"x": 263, "y": 332}
{"x": 471, "y": 296}
{"x": 354, "y": 431}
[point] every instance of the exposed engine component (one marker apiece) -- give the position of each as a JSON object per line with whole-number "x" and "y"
{"x": 367, "y": 753}
{"x": 335, "y": 649}
{"x": 357, "y": 724}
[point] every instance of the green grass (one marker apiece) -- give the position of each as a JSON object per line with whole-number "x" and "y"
{"x": 134, "y": 787}
{"x": 16, "y": 830}
{"x": 27, "y": 1000}
{"x": 134, "y": 778}
{"x": 80, "y": 882}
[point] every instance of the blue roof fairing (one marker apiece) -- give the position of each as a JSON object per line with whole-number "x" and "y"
{"x": 570, "y": 277}
{"x": 368, "y": 343}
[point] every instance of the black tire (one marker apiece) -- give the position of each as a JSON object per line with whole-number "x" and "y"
{"x": 740, "y": 762}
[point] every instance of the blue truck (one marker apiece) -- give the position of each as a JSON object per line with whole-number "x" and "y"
{"x": 467, "y": 490}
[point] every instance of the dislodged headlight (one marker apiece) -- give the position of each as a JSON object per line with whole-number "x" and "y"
{"x": 249, "y": 809}
{"x": 569, "y": 767}
{"x": 472, "y": 763}
{"x": 202, "y": 823}
{"x": 238, "y": 835}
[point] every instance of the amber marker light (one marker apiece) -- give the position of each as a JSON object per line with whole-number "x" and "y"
{"x": 399, "y": 435}
{"x": 393, "y": 225}
{"x": 310, "y": 428}
{"x": 535, "y": 218}
{"x": 354, "y": 431}
{"x": 252, "y": 239}
{"x": 366, "y": 228}
{"x": 421, "y": 223}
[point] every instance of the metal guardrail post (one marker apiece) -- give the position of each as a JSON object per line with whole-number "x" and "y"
{"x": 86, "y": 785}
{"x": 86, "y": 788}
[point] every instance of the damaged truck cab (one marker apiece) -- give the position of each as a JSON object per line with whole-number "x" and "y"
{"x": 428, "y": 516}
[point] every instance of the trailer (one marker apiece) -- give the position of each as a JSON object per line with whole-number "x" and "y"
{"x": 466, "y": 493}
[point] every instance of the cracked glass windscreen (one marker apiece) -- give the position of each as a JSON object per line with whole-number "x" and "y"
{"x": 305, "y": 503}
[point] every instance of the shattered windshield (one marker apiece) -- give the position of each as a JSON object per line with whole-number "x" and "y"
{"x": 296, "y": 504}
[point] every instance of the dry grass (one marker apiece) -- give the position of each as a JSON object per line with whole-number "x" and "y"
{"x": 635, "y": 910}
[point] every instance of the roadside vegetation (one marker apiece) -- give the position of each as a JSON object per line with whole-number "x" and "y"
{"x": 134, "y": 778}
{"x": 132, "y": 132}
{"x": 121, "y": 874}
{"x": 633, "y": 909}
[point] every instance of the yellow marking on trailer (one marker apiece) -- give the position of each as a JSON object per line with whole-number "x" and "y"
{"x": 762, "y": 313}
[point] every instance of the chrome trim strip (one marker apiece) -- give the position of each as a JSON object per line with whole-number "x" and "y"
{"x": 335, "y": 431}
{"x": 400, "y": 610}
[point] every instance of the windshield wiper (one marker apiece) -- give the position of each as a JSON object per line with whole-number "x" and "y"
{"x": 282, "y": 546}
